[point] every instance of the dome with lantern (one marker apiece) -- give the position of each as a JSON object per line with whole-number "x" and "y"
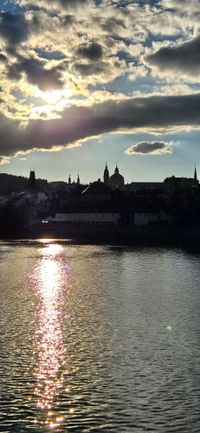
{"x": 116, "y": 180}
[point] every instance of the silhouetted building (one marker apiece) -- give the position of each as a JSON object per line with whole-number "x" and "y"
{"x": 116, "y": 180}
{"x": 32, "y": 182}
{"x": 72, "y": 184}
{"x": 180, "y": 183}
{"x": 147, "y": 187}
{"x": 97, "y": 191}
{"x": 195, "y": 177}
{"x": 106, "y": 176}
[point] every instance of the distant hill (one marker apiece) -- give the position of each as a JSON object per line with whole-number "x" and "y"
{"x": 10, "y": 183}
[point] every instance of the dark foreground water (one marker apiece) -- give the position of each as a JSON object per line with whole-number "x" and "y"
{"x": 98, "y": 339}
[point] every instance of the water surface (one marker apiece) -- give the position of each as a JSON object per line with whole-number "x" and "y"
{"x": 98, "y": 339}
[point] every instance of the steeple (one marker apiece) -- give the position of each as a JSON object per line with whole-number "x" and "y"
{"x": 116, "y": 170}
{"x": 69, "y": 180}
{"x": 78, "y": 180}
{"x": 195, "y": 176}
{"x": 106, "y": 177}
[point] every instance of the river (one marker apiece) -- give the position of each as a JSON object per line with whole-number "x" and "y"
{"x": 98, "y": 338}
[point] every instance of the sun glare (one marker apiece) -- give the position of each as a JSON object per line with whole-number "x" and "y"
{"x": 52, "y": 102}
{"x": 53, "y": 96}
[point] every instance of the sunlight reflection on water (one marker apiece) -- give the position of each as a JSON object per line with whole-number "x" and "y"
{"x": 48, "y": 283}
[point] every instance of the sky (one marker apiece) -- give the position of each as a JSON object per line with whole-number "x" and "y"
{"x": 84, "y": 82}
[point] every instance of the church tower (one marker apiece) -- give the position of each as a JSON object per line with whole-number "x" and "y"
{"x": 32, "y": 182}
{"x": 195, "y": 180}
{"x": 116, "y": 170}
{"x": 78, "y": 180}
{"x": 106, "y": 177}
{"x": 69, "y": 180}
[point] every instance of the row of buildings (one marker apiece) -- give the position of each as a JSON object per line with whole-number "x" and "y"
{"x": 109, "y": 201}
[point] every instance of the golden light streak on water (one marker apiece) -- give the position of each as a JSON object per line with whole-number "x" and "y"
{"x": 48, "y": 278}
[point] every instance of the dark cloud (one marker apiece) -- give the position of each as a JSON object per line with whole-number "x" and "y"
{"x": 67, "y": 3}
{"x": 92, "y": 51}
{"x": 13, "y": 28}
{"x": 86, "y": 69}
{"x": 36, "y": 74}
{"x": 3, "y": 58}
{"x": 149, "y": 147}
{"x": 67, "y": 20}
{"x": 113, "y": 24}
{"x": 10, "y": 134}
{"x": 78, "y": 123}
{"x": 184, "y": 58}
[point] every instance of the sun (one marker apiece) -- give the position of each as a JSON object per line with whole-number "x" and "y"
{"x": 52, "y": 102}
{"x": 53, "y": 96}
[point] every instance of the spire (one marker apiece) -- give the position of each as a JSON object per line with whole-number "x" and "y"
{"x": 78, "y": 180}
{"x": 195, "y": 173}
{"x": 195, "y": 176}
{"x": 106, "y": 177}
{"x": 69, "y": 180}
{"x": 116, "y": 170}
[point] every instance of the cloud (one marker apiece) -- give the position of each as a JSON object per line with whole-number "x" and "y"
{"x": 93, "y": 68}
{"x": 149, "y": 148}
{"x": 2, "y": 58}
{"x": 82, "y": 46}
{"x": 13, "y": 29}
{"x": 71, "y": 3}
{"x": 54, "y": 4}
{"x": 4, "y": 161}
{"x": 183, "y": 58}
{"x": 92, "y": 51}
{"x": 97, "y": 42}
{"x": 182, "y": 5}
{"x": 45, "y": 79}
{"x": 81, "y": 123}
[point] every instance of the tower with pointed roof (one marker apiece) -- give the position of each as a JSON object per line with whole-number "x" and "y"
{"x": 78, "y": 180}
{"x": 106, "y": 176}
{"x": 195, "y": 180}
{"x": 116, "y": 170}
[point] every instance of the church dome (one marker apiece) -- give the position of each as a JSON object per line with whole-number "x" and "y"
{"x": 116, "y": 180}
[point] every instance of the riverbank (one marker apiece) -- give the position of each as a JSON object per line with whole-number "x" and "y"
{"x": 158, "y": 235}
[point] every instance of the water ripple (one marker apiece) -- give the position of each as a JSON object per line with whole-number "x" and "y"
{"x": 96, "y": 339}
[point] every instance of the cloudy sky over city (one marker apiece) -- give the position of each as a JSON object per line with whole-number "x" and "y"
{"x": 85, "y": 82}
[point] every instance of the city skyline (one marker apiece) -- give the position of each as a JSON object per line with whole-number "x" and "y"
{"x": 106, "y": 175}
{"x": 86, "y": 82}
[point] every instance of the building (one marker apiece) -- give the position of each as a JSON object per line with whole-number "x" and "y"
{"x": 97, "y": 191}
{"x": 70, "y": 185}
{"x": 116, "y": 180}
{"x": 32, "y": 182}
{"x": 86, "y": 218}
{"x": 106, "y": 176}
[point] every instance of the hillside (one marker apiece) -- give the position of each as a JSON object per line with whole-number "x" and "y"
{"x": 10, "y": 183}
